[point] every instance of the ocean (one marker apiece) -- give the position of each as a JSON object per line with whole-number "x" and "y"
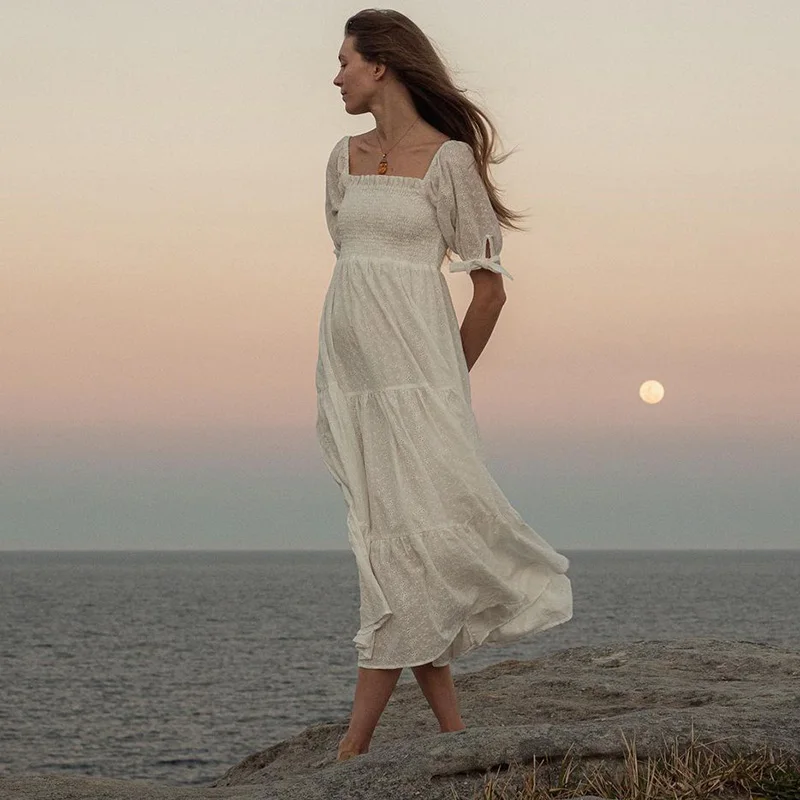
{"x": 173, "y": 666}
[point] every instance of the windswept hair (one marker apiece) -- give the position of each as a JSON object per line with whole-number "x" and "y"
{"x": 385, "y": 36}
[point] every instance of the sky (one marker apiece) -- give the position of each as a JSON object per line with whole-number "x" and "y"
{"x": 164, "y": 259}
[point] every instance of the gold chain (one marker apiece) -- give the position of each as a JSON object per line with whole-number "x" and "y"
{"x": 384, "y": 164}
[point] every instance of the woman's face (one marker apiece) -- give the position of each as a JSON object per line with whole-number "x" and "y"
{"x": 356, "y": 79}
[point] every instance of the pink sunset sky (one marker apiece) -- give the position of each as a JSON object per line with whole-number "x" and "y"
{"x": 164, "y": 257}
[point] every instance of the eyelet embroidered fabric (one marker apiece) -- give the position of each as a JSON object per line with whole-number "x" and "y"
{"x": 445, "y": 563}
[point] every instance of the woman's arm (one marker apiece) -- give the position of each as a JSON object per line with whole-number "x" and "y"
{"x": 481, "y": 317}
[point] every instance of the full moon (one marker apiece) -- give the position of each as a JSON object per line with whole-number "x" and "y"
{"x": 651, "y": 392}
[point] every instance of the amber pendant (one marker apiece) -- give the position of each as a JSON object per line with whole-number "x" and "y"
{"x": 383, "y": 166}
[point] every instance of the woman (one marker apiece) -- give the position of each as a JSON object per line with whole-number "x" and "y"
{"x": 445, "y": 564}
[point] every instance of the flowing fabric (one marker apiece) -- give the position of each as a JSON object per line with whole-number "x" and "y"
{"x": 445, "y": 563}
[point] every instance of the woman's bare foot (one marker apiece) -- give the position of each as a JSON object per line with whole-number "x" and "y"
{"x": 348, "y": 749}
{"x": 462, "y": 727}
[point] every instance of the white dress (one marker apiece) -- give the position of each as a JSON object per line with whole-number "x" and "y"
{"x": 445, "y": 563}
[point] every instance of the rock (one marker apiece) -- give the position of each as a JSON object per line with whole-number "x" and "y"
{"x": 583, "y": 699}
{"x": 61, "y": 787}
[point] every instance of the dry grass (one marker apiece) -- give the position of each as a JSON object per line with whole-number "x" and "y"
{"x": 690, "y": 771}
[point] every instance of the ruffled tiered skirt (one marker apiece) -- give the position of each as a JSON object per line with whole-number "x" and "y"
{"x": 445, "y": 563}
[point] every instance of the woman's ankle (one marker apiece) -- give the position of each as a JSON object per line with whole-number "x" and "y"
{"x": 356, "y": 745}
{"x": 452, "y": 728}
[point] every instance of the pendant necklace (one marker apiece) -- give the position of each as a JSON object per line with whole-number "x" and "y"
{"x": 384, "y": 164}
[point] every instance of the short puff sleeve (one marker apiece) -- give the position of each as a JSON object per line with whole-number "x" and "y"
{"x": 333, "y": 192}
{"x": 464, "y": 211}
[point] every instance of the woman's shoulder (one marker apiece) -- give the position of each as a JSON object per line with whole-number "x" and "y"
{"x": 339, "y": 146}
{"x": 337, "y": 156}
{"x": 457, "y": 148}
{"x": 453, "y": 157}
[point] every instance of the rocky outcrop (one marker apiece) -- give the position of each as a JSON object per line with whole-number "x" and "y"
{"x": 583, "y": 700}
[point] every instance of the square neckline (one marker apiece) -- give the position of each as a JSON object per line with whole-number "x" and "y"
{"x": 396, "y": 177}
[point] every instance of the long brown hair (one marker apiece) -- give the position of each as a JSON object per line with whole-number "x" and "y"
{"x": 385, "y": 36}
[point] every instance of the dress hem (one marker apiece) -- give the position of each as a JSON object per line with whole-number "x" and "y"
{"x": 552, "y": 623}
